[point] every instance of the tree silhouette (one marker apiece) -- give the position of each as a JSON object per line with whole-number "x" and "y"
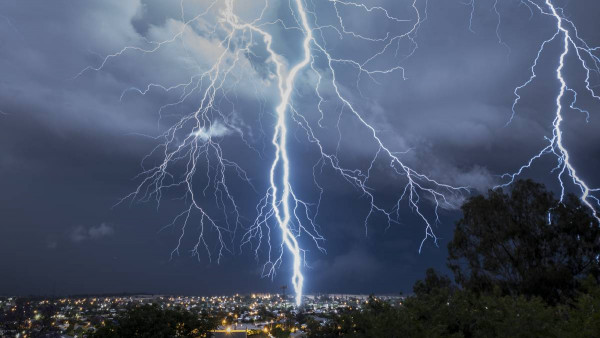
{"x": 525, "y": 242}
{"x": 152, "y": 321}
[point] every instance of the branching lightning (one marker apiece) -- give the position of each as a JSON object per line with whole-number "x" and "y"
{"x": 566, "y": 33}
{"x": 191, "y": 155}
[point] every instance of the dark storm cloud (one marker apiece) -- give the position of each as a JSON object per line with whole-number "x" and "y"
{"x": 69, "y": 145}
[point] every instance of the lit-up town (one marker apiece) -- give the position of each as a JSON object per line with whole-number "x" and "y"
{"x": 237, "y": 315}
{"x": 299, "y": 168}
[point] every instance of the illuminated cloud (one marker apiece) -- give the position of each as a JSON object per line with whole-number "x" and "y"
{"x": 81, "y": 233}
{"x": 215, "y": 130}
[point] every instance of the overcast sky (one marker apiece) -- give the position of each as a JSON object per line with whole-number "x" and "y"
{"x": 71, "y": 143}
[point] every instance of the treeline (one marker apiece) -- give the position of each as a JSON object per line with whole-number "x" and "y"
{"x": 524, "y": 265}
{"x": 152, "y": 321}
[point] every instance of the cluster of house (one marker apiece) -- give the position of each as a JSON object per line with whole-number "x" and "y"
{"x": 80, "y": 316}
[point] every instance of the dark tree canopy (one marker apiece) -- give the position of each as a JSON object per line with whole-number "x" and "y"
{"x": 152, "y": 321}
{"x": 525, "y": 242}
{"x": 432, "y": 283}
{"x": 527, "y": 266}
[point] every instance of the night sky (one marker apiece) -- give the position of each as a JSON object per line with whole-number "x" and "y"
{"x": 71, "y": 146}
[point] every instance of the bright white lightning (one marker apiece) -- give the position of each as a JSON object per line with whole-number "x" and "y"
{"x": 281, "y": 206}
{"x": 193, "y": 142}
{"x": 567, "y": 30}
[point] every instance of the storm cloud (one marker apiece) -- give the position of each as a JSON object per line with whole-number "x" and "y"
{"x": 72, "y": 139}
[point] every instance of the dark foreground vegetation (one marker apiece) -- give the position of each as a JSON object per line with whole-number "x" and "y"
{"x": 152, "y": 321}
{"x": 524, "y": 265}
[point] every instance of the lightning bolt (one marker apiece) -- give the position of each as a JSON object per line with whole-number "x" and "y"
{"x": 191, "y": 160}
{"x": 566, "y": 33}
{"x": 281, "y": 206}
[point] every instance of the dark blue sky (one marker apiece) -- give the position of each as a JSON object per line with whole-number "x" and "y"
{"x": 71, "y": 146}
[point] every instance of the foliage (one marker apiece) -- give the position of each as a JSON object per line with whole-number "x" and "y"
{"x": 526, "y": 266}
{"x": 525, "y": 243}
{"x": 583, "y": 316}
{"x": 152, "y": 321}
{"x": 431, "y": 284}
{"x": 451, "y": 312}
{"x": 280, "y": 332}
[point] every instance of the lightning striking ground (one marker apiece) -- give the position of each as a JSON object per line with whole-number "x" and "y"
{"x": 195, "y": 139}
{"x": 191, "y": 156}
